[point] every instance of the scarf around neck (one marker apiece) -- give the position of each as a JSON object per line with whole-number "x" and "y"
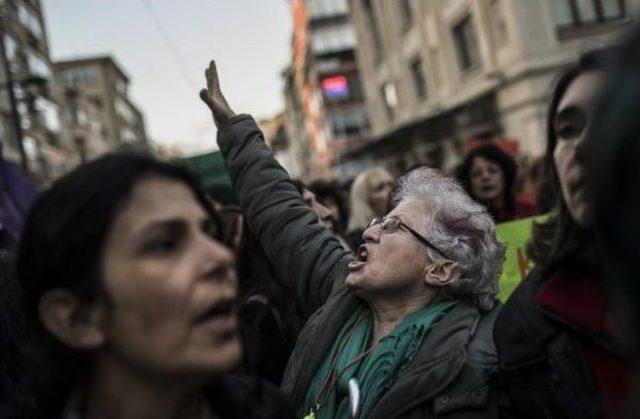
{"x": 376, "y": 370}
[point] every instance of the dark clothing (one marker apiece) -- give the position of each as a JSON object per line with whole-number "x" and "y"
{"x": 269, "y": 315}
{"x": 451, "y": 375}
{"x": 354, "y": 238}
{"x": 17, "y": 194}
{"x": 521, "y": 209}
{"x": 230, "y": 396}
{"x": 267, "y": 345}
{"x": 556, "y": 356}
{"x": 239, "y": 397}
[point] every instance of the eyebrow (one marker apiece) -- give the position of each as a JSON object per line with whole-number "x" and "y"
{"x": 170, "y": 223}
{"x": 173, "y": 224}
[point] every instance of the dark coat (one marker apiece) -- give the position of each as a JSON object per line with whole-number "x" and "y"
{"x": 450, "y": 377}
{"x": 542, "y": 366}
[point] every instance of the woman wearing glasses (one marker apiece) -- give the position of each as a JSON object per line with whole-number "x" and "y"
{"x": 408, "y": 317}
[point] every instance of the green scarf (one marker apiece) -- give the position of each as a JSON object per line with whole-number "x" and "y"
{"x": 375, "y": 372}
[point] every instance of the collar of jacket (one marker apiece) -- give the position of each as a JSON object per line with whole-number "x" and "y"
{"x": 524, "y": 328}
{"x": 439, "y": 362}
{"x": 439, "y": 368}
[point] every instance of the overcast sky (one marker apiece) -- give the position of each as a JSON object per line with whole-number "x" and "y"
{"x": 250, "y": 40}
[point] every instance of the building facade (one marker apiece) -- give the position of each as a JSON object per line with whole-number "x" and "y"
{"x": 98, "y": 87}
{"x": 325, "y": 83}
{"x": 30, "y": 128}
{"x": 440, "y": 74}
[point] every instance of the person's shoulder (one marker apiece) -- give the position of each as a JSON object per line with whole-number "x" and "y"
{"x": 521, "y": 328}
{"x": 235, "y": 396}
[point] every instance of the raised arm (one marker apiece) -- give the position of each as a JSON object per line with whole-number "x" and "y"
{"x": 303, "y": 252}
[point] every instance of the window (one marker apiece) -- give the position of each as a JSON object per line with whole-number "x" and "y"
{"x": 466, "y": 44}
{"x": 349, "y": 121}
{"x": 38, "y": 66}
{"x": 562, "y": 12}
{"x": 29, "y": 20}
{"x": 406, "y": 14}
{"x": 419, "y": 81}
{"x": 124, "y": 110}
{"x": 333, "y": 38}
{"x": 80, "y": 77}
{"x": 49, "y": 112}
{"x": 583, "y": 12}
{"x": 372, "y": 23}
{"x": 121, "y": 87}
{"x": 327, "y": 8}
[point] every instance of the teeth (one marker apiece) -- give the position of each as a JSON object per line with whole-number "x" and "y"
{"x": 362, "y": 253}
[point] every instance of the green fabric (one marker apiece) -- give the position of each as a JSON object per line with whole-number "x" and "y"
{"x": 377, "y": 371}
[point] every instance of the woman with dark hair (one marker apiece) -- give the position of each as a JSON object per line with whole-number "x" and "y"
{"x": 131, "y": 297}
{"x": 557, "y": 352}
{"x": 613, "y": 169}
{"x": 489, "y": 175}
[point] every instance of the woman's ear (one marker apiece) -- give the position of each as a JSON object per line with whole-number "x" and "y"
{"x": 78, "y": 325}
{"x": 439, "y": 274}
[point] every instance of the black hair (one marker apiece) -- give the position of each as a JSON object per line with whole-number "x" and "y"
{"x": 12, "y": 332}
{"x": 613, "y": 161}
{"x": 506, "y": 163}
{"x": 560, "y": 238}
{"x": 330, "y": 190}
{"x": 62, "y": 246}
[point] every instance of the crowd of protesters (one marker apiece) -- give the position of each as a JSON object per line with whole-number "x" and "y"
{"x": 131, "y": 293}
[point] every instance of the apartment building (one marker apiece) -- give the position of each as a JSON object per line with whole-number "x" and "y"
{"x": 102, "y": 85}
{"x": 441, "y": 74}
{"x": 324, "y": 93}
{"x": 29, "y": 112}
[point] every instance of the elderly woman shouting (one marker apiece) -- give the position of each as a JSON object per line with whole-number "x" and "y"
{"x": 409, "y": 317}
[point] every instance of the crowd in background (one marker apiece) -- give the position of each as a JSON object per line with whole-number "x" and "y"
{"x": 125, "y": 284}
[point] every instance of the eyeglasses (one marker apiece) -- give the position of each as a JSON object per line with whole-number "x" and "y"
{"x": 390, "y": 225}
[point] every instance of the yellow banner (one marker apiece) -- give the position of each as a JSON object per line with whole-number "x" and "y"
{"x": 515, "y": 235}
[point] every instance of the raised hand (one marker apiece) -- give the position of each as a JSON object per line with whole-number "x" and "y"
{"x": 214, "y": 98}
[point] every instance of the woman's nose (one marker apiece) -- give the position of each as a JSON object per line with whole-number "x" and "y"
{"x": 371, "y": 234}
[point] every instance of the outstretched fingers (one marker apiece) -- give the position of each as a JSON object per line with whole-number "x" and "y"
{"x": 214, "y": 98}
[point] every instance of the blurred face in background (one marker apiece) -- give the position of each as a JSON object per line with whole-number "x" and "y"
{"x": 171, "y": 285}
{"x": 380, "y": 187}
{"x": 325, "y": 215}
{"x": 571, "y": 124}
{"x": 487, "y": 180}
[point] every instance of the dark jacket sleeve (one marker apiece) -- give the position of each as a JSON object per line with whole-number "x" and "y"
{"x": 303, "y": 253}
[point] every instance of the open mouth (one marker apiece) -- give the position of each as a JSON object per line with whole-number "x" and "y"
{"x": 220, "y": 319}
{"x": 362, "y": 255}
{"x": 487, "y": 188}
{"x": 221, "y": 309}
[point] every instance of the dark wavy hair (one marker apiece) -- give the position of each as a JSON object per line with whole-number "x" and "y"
{"x": 506, "y": 163}
{"x": 560, "y": 238}
{"x": 62, "y": 246}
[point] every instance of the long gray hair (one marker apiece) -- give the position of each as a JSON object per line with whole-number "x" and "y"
{"x": 462, "y": 229}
